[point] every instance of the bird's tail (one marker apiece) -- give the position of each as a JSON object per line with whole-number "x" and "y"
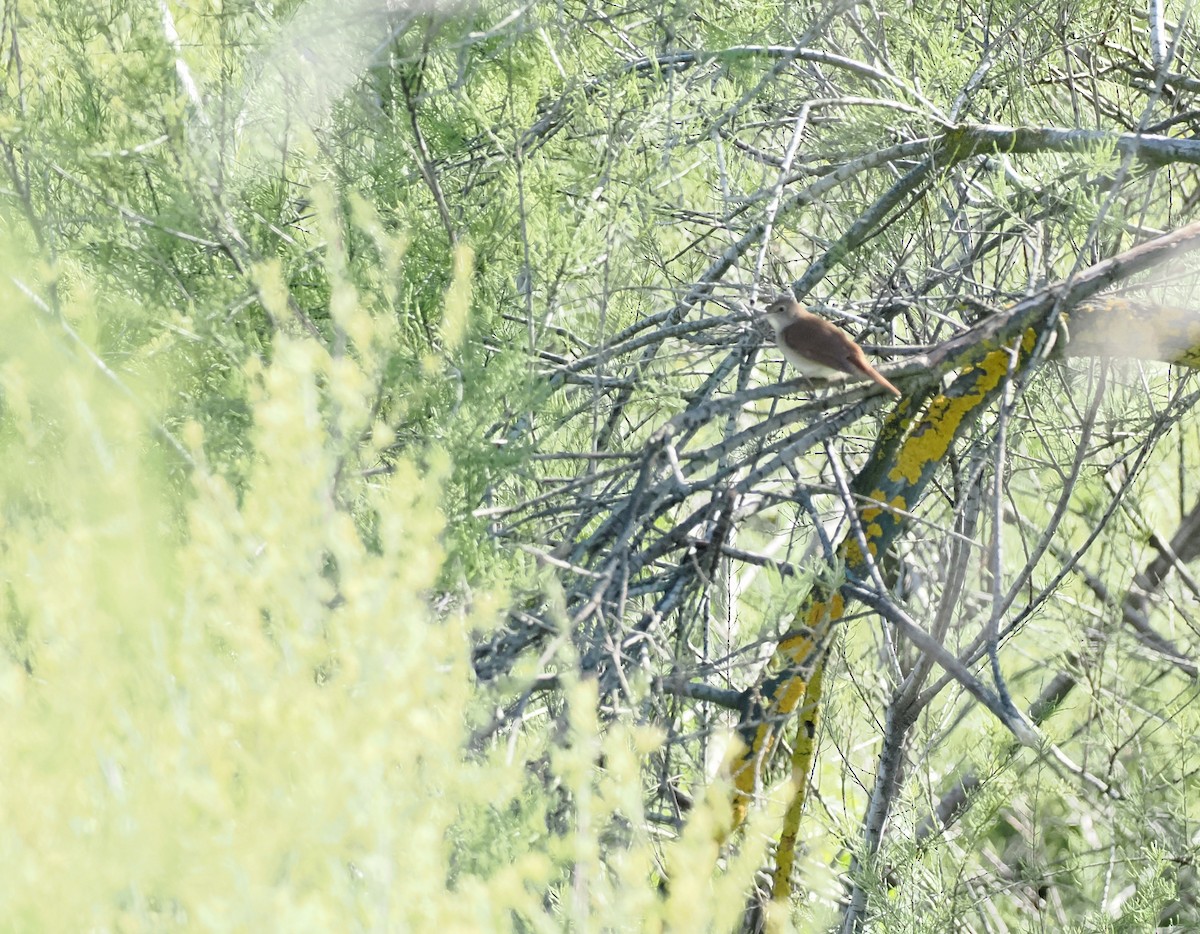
{"x": 875, "y": 376}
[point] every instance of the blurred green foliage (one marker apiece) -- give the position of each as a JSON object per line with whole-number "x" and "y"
{"x": 262, "y": 384}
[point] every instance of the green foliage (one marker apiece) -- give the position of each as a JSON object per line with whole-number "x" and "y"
{"x": 330, "y": 345}
{"x": 231, "y": 707}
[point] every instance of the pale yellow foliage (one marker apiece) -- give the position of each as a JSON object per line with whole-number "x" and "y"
{"x": 235, "y": 710}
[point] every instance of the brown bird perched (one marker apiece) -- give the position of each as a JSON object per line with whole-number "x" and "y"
{"x": 817, "y": 347}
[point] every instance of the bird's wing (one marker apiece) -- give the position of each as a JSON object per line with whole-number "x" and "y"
{"x": 836, "y": 351}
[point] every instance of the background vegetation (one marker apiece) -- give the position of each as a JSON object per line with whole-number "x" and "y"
{"x": 401, "y": 508}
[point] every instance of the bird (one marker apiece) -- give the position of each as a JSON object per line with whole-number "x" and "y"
{"x": 817, "y": 347}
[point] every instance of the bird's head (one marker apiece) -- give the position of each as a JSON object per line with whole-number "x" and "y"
{"x": 782, "y": 311}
